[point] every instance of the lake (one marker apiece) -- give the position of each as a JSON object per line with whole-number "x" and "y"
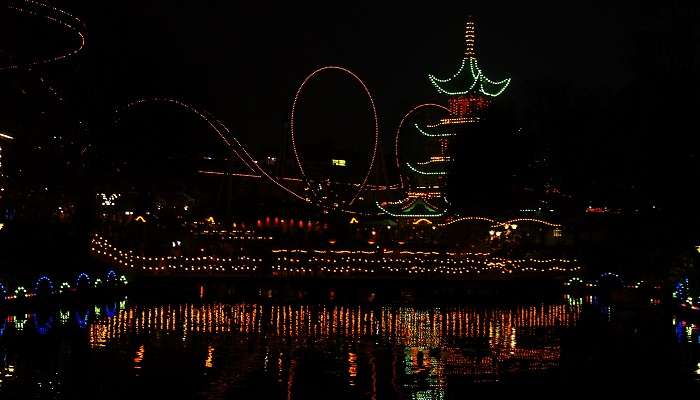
{"x": 269, "y": 349}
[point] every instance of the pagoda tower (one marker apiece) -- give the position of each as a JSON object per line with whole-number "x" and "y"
{"x": 468, "y": 93}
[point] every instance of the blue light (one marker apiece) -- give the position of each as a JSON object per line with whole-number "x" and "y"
{"x": 43, "y": 329}
{"x": 82, "y": 277}
{"x": 110, "y": 310}
{"x": 41, "y": 279}
{"x": 111, "y": 275}
{"x": 82, "y": 321}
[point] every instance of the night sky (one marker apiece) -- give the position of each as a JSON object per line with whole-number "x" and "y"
{"x": 609, "y": 91}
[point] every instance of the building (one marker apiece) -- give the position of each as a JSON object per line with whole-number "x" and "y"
{"x": 424, "y": 180}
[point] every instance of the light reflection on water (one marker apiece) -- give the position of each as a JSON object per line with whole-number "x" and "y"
{"x": 292, "y": 351}
{"x": 405, "y": 325}
{"x": 432, "y": 343}
{"x": 370, "y": 351}
{"x": 686, "y": 331}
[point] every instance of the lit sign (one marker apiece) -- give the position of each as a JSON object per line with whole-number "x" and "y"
{"x": 338, "y": 163}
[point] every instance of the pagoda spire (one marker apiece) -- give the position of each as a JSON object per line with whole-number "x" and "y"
{"x": 470, "y": 38}
{"x": 469, "y": 78}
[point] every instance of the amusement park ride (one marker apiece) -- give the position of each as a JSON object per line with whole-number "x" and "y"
{"x": 468, "y": 94}
{"x": 420, "y": 195}
{"x": 362, "y": 205}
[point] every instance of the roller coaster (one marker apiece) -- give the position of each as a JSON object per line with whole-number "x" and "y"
{"x": 311, "y": 190}
{"x": 52, "y": 15}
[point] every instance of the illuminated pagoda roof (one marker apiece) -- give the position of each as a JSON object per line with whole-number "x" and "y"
{"x": 433, "y": 167}
{"x": 469, "y": 78}
{"x": 439, "y": 131}
{"x": 418, "y": 208}
{"x": 430, "y": 131}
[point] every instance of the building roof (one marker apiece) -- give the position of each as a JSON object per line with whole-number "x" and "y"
{"x": 469, "y": 79}
{"x": 417, "y": 208}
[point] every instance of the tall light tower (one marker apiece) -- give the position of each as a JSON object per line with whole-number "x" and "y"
{"x": 468, "y": 92}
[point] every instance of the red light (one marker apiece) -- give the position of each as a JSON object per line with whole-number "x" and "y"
{"x": 467, "y": 105}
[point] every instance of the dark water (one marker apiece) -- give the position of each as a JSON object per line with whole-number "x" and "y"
{"x": 299, "y": 351}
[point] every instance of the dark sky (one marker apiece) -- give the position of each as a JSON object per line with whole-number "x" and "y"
{"x": 610, "y": 89}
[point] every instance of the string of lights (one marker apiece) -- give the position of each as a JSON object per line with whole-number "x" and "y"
{"x": 100, "y": 247}
{"x": 497, "y": 223}
{"x": 476, "y": 79}
{"x": 374, "y": 115}
{"x": 454, "y": 121}
{"x": 221, "y": 130}
{"x": 292, "y": 262}
{"x": 44, "y": 286}
{"x": 53, "y": 15}
{"x": 437, "y": 159}
{"x": 418, "y": 171}
{"x": 424, "y": 133}
{"x": 384, "y": 210}
{"x": 242, "y": 153}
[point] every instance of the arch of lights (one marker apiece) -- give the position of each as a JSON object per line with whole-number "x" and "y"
{"x": 43, "y": 280}
{"x": 496, "y": 223}
{"x": 45, "y": 285}
{"x": 611, "y": 276}
{"x": 53, "y": 15}
{"x": 82, "y": 277}
{"x": 293, "y": 132}
{"x": 577, "y": 282}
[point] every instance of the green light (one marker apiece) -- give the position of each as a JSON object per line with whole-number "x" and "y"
{"x": 433, "y": 134}
{"x": 409, "y": 215}
{"x": 416, "y": 170}
{"x": 20, "y": 292}
{"x": 475, "y": 81}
